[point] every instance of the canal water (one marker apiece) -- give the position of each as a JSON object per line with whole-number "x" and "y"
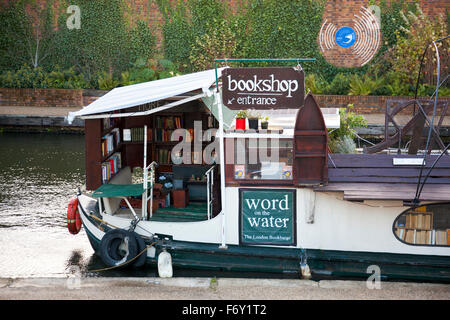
{"x": 39, "y": 173}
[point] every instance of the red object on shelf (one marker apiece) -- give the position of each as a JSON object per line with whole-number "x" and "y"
{"x": 180, "y": 198}
{"x": 240, "y": 124}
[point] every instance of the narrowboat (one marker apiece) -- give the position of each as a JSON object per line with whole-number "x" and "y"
{"x": 171, "y": 182}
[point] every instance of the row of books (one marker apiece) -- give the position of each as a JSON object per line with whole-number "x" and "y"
{"x": 111, "y": 166}
{"x": 189, "y": 136}
{"x": 110, "y": 141}
{"x": 168, "y": 122}
{"x": 110, "y": 122}
{"x": 431, "y": 237}
{"x": 419, "y": 221}
{"x": 163, "y": 135}
{"x": 164, "y": 156}
{"x": 137, "y": 134}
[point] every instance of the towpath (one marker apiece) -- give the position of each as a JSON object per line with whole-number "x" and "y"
{"x": 213, "y": 289}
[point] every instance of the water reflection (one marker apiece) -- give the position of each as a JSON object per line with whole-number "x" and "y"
{"x": 39, "y": 173}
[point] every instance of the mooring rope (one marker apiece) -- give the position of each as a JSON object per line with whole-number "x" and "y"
{"x": 125, "y": 263}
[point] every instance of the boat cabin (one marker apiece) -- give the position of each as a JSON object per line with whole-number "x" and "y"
{"x": 173, "y": 125}
{"x": 169, "y": 161}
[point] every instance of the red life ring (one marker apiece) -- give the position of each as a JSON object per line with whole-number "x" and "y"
{"x": 73, "y": 217}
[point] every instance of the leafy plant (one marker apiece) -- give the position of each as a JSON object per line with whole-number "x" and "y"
{"x": 106, "y": 81}
{"x": 220, "y": 42}
{"x": 339, "y": 86}
{"x": 242, "y": 114}
{"x": 412, "y": 40}
{"x": 315, "y": 83}
{"x": 341, "y": 139}
{"x": 343, "y": 144}
{"x": 67, "y": 79}
{"x": 252, "y": 114}
{"x": 348, "y": 122}
{"x": 365, "y": 85}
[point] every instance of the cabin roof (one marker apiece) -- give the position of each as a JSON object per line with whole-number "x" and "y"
{"x": 375, "y": 177}
{"x": 142, "y": 93}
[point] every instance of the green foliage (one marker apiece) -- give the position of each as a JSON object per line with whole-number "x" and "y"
{"x": 242, "y": 114}
{"x": 28, "y": 77}
{"x": 343, "y": 144}
{"x": 65, "y": 79}
{"x": 111, "y": 49}
{"x": 341, "y": 139}
{"x": 178, "y": 34}
{"x": 405, "y": 57}
{"x": 104, "y": 43}
{"x": 364, "y": 85}
{"x": 339, "y": 86}
{"x": 106, "y": 81}
{"x": 283, "y": 29}
{"x": 27, "y": 35}
{"x": 348, "y": 121}
{"x": 25, "y": 77}
{"x": 391, "y": 20}
{"x": 220, "y": 42}
{"x": 315, "y": 83}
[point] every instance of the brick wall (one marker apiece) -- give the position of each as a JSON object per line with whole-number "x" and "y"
{"x": 41, "y": 97}
{"x": 80, "y": 98}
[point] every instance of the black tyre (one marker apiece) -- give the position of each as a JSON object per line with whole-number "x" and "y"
{"x": 140, "y": 261}
{"x": 110, "y": 247}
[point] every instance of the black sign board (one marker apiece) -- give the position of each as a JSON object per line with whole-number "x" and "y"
{"x": 263, "y": 88}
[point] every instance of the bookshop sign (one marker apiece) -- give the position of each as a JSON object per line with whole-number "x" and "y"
{"x": 263, "y": 88}
{"x": 267, "y": 217}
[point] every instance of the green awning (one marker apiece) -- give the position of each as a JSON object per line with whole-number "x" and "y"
{"x": 119, "y": 190}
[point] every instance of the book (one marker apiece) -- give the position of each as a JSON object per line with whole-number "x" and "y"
{"x": 126, "y": 134}
{"x": 441, "y": 237}
{"x": 409, "y": 238}
{"x": 111, "y": 166}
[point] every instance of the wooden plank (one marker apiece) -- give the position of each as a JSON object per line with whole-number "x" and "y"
{"x": 430, "y": 180}
{"x": 384, "y": 195}
{"x": 379, "y": 160}
{"x": 339, "y": 187}
{"x": 387, "y": 172}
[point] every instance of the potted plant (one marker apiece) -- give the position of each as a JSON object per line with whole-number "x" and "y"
{"x": 265, "y": 122}
{"x": 240, "y": 119}
{"x": 253, "y": 120}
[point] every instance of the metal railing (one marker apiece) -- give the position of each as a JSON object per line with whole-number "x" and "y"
{"x": 210, "y": 190}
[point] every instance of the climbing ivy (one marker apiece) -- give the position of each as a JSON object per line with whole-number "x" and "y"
{"x": 116, "y": 46}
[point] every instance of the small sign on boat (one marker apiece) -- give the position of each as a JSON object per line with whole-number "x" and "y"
{"x": 267, "y": 217}
{"x": 263, "y": 88}
{"x": 408, "y": 161}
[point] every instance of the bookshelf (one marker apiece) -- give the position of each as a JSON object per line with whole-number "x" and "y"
{"x": 113, "y": 143}
{"x": 417, "y": 227}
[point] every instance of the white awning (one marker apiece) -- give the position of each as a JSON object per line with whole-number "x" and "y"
{"x": 138, "y": 94}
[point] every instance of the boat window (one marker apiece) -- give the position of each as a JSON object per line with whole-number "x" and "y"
{"x": 263, "y": 159}
{"x": 427, "y": 225}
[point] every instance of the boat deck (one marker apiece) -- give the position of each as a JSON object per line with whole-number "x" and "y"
{"x": 195, "y": 211}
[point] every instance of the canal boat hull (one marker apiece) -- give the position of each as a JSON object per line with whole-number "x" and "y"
{"x": 342, "y": 264}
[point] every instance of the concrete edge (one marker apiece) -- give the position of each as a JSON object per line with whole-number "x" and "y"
{"x": 212, "y": 283}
